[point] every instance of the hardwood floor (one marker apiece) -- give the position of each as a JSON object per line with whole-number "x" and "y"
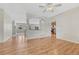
{"x": 39, "y": 46}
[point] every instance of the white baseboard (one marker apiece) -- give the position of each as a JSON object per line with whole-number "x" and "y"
{"x": 2, "y": 41}
{"x": 38, "y": 37}
{"x": 69, "y": 40}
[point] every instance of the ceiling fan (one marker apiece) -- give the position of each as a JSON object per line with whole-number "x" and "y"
{"x": 49, "y": 7}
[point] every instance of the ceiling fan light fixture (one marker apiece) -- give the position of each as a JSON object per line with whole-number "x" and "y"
{"x": 50, "y": 9}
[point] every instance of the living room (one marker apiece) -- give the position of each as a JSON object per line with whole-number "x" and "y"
{"x": 39, "y": 28}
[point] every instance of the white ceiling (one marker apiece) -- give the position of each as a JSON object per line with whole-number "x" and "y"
{"x": 32, "y": 8}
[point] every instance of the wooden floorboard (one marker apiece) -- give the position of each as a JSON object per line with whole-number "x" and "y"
{"x": 39, "y": 46}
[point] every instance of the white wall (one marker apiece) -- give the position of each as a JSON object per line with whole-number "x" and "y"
{"x": 68, "y": 25}
{"x": 18, "y": 12}
{"x": 43, "y": 32}
{"x": 34, "y": 10}
{"x": 1, "y": 25}
{"x": 11, "y": 12}
{"x": 7, "y": 26}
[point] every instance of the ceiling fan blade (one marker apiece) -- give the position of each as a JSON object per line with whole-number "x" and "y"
{"x": 41, "y": 6}
{"x": 58, "y": 5}
{"x": 49, "y": 4}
